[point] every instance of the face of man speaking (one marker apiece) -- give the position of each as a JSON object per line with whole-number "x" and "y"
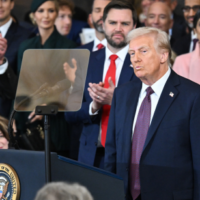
{"x": 149, "y": 63}
{"x": 116, "y": 27}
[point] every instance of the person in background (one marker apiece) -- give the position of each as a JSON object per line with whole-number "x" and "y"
{"x": 159, "y": 16}
{"x": 110, "y": 65}
{"x": 188, "y": 65}
{"x": 63, "y": 191}
{"x": 64, "y": 19}
{"x": 44, "y": 14}
{"x": 14, "y": 35}
{"x": 98, "y": 43}
{"x": 4, "y": 137}
{"x": 96, "y": 18}
{"x": 187, "y": 43}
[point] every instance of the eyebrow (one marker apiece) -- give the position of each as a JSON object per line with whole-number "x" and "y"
{"x": 142, "y": 47}
{"x": 128, "y": 22}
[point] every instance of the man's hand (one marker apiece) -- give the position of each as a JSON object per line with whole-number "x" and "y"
{"x": 3, "y": 48}
{"x": 101, "y": 96}
{"x": 69, "y": 71}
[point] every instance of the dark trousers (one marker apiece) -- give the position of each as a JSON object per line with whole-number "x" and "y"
{"x": 99, "y": 158}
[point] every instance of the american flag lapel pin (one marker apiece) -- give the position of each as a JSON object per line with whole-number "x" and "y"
{"x": 171, "y": 94}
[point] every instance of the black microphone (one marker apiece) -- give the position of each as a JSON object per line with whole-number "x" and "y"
{"x": 57, "y": 88}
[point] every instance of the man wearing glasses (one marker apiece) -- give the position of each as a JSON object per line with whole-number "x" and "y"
{"x": 189, "y": 10}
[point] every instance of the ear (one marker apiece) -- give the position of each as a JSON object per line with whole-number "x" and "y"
{"x": 164, "y": 57}
{"x": 12, "y": 4}
{"x": 90, "y": 18}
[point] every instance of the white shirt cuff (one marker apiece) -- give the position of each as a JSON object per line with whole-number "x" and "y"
{"x": 90, "y": 110}
{"x": 4, "y": 67}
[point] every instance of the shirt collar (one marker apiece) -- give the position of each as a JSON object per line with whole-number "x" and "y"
{"x": 97, "y": 41}
{"x": 193, "y": 35}
{"x": 121, "y": 54}
{"x": 158, "y": 85}
{"x": 5, "y": 27}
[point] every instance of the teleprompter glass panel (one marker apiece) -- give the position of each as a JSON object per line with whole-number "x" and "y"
{"x": 52, "y": 77}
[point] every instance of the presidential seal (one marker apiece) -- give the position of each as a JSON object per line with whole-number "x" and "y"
{"x": 9, "y": 183}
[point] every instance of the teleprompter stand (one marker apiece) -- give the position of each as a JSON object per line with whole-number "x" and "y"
{"x": 47, "y": 111}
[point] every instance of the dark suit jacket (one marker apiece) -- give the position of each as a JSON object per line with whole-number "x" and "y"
{"x": 76, "y": 29}
{"x": 179, "y": 26}
{"x": 88, "y": 46}
{"x": 182, "y": 45}
{"x": 169, "y": 164}
{"x": 90, "y": 132}
{"x": 15, "y": 35}
{"x": 8, "y": 84}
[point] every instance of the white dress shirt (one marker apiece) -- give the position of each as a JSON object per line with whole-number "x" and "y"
{"x": 4, "y": 30}
{"x": 119, "y": 64}
{"x": 157, "y": 88}
{"x": 193, "y": 36}
{"x": 5, "y": 27}
{"x": 97, "y": 41}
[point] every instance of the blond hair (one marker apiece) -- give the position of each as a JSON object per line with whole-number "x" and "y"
{"x": 161, "y": 39}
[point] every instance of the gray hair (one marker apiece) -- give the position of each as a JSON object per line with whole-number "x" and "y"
{"x": 161, "y": 39}
{"x": 63, "y": 191}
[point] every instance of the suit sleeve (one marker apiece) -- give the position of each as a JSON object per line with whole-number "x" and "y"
{"x": 110, "y": 147}
{"x": 8, "y": 84}
{"x": 195, "y": 146}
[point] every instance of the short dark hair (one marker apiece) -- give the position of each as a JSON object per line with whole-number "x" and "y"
{"x": 196, "y": 18}
{"x": 119, "y": 4}
{"x": 67, "y": 3}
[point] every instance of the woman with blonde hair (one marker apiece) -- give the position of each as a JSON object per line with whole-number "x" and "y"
{"x": 44, "y": 13}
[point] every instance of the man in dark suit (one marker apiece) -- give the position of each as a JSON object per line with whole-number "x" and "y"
{"x": 14, "y": 34}
{"x": 160, "y": 114}
{"x": 95, "y": 17}
{"x": 186, "y": 43}
{"x": 119, "y": 19}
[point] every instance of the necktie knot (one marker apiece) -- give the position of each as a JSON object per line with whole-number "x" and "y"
{"x": 100, "y": 46}
{"x": 113, "y": 57}
{"x": 149, "y": 91}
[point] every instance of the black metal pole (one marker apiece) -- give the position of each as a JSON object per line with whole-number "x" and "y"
{"x": 47, "y": 149}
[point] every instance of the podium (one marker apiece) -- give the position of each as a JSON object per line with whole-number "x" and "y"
{"x": 30, "y": 168}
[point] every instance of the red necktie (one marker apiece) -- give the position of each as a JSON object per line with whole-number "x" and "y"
{"x": 139, "y": 137}
{"x": 106, "y": 108}
{"x": 100, "y": 46}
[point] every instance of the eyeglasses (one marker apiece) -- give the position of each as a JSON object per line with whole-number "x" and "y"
{"x": 188, "y": 8}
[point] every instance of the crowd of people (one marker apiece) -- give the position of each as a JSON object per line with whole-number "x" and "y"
{"x": 140, "y": 55}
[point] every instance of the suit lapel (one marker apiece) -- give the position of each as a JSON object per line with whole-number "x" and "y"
{"x": 127, "y": 71}
{"x": 11, "y": 31}
{"x": 163, "y": 105}
{"x": 99, "y": 65}
{"x": 130, "y": 109}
